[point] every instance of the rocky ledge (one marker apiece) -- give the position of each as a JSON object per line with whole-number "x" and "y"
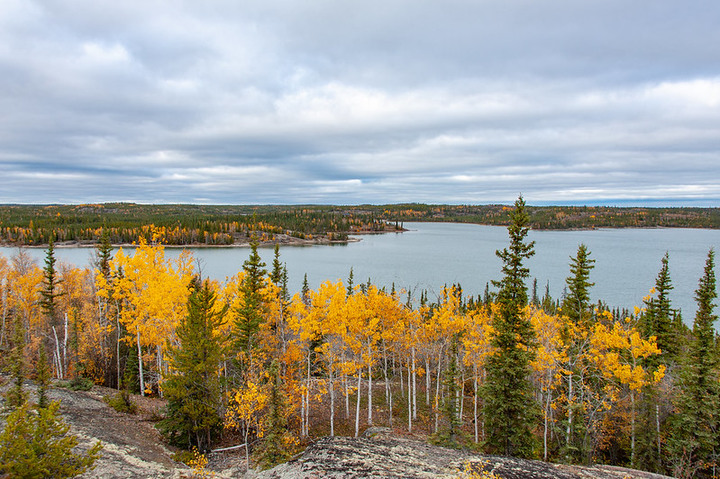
{"x": 386, "y": 456}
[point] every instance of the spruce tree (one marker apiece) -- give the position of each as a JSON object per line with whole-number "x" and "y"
{"x": 693, "y": 440}
{"x": 510, "y": 408}
{"x": 39, "y": 445}
{"x": 16, "y": 395}
{"x": 193, "y": 389}
{"x": 657, "y": 320}
{"x": 43, "y": 378}
{"x": 576, "y": 304}
{"x": 249, "y": 314}
{"x": 48, "y": 302}
{"x": 577, "y": 307}
{"x": 277, "y": 269}
{"x": 276, "y": 443}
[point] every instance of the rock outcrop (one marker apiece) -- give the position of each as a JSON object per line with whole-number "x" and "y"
{"x": 384, "y": 456}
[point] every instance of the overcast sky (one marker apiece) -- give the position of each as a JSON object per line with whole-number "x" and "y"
{"x": 333, "y": 101}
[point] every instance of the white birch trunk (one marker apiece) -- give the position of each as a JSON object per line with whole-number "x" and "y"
{"x": 357, "y": 405}
{"x": 140, "y": 366}
{"x": 370, "y": 396}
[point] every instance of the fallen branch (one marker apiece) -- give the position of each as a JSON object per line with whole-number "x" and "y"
{"x": 223, "y": 449}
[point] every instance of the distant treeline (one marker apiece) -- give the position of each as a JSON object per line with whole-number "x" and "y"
{"x": 229, "y": 224}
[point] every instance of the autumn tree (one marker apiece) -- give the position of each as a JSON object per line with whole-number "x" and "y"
{"x": 693, "y": 440}
{"x": 154, "y": 293}
{"x": 192, "y": 386}
{"x": 510, "y": 408}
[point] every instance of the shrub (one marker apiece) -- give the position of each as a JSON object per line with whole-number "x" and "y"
{"x": 121, "y": 402}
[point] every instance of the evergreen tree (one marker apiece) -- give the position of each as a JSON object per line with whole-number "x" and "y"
{"x": 43, "y": 377}
{"x": 451, "y": 405}
{"x": 193, "y": 388}
{"x": 535, "y": 299}
{"x": 275, "y": 446}
{"x": 48, "y": 302}
{"x": 305, "y": 291}
{"x": 693, "y": 439}
{"x": 658, "y": 321}
{"x": 249, "y": 314}
{"x": 38, "y": 445}
{"x": 350, "y": 283}
{"x": 576, "y": 304}
{"x": 16, "y": 395}
{"x": 276, "y": 274}
{"x": 511, "y": 411}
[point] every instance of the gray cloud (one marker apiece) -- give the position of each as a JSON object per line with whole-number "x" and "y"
{"x": 341, "y": 102}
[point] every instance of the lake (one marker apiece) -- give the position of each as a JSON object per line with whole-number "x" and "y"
{"x": 431, "y": 255}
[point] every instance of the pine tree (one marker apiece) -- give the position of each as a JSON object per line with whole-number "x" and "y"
{"x": 511, "y": 411}
{"x": 193, "y": 388}
{"x": 693, "y": 440}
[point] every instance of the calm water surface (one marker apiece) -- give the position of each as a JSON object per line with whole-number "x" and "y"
{"x": 433, "y": 254}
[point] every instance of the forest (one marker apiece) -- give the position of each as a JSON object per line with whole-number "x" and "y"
{"x": 34, "y": 225}
{"x": 512, "y": 372}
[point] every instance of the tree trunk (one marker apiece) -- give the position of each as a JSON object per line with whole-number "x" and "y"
{"x": 357, "y": 404}
{"x": 140, "y": 366}
{"x": 370, "y": 397}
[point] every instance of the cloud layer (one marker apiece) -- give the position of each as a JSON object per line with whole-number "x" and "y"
{"x": 352, "y": 102}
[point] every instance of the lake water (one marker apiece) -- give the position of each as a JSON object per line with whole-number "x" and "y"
{"x": 431, "y": 255}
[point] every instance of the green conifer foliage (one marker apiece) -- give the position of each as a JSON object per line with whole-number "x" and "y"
{"x": 576, "y": 304}
{"x": 193, "y": 388}
{"x": 658, "y": 321}
{"x": 276, "y": 446}
{"x": 43, "y": 377}
{"x": 693, "y": 440}
{"x": 658, "y": 318}
{"x": 37, "y": 445}
{"x": 16, "y": 395}
{"x": 511, "y": 411}
{"x": 249, "y": 314}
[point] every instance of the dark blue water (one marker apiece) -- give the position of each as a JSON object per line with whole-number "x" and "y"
{"x": 431, "y": 255}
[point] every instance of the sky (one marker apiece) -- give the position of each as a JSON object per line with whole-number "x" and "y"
{"x": 347, "y": 102}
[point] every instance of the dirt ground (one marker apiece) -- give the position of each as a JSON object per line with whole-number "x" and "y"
{"x": 132, "y": 447}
